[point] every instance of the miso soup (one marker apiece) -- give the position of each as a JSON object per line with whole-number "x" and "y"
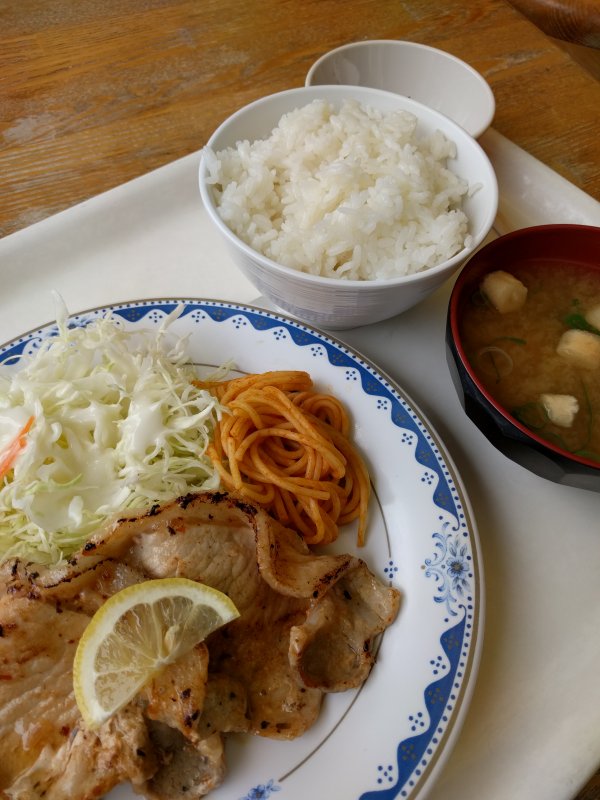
{"x": 514, "y": 354}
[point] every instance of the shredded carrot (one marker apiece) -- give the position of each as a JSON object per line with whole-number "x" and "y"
{"x": 14, "y": 448}
{"x": 287, "y": 447}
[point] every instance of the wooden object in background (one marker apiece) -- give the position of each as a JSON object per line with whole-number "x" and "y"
{"x": 576, "y": 21}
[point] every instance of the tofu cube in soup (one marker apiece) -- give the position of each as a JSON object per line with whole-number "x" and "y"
{"x": 505, "y": 292}
{"x": 560, "y": 408}
{"x": 580, "y": 348}
{"x": 592, "y": 316}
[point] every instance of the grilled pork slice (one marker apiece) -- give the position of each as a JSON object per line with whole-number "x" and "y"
{"x": 44, "y": 751}
{"x": 306, "y": 627}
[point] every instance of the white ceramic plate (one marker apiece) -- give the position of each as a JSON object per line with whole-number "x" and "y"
{"x": 389, "y": 738}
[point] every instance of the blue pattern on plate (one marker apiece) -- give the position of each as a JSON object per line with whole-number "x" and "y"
{"x": 451, "y": 568}
{"x": 262, "y": 791}
{"x": 412, "y": 754}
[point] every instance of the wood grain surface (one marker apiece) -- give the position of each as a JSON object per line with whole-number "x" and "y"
{"x": 96, "y": 92}
{"x": 576, "y": 21}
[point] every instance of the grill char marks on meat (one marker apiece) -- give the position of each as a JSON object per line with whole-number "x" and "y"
{"x": 306, "y": 627}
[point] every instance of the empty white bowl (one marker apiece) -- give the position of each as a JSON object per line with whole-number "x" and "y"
{"x": 426, "y": 74}
{"x": 336, "y": 303}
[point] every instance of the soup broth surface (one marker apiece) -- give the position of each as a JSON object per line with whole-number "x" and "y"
{"x": 514, "y": 354}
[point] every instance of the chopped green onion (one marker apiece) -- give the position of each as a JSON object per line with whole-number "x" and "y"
{"x": 532, "y": 415}
{"x": 579, "y": 322}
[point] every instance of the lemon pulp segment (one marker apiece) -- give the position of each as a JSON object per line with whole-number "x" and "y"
{"x": 137, "y": 632}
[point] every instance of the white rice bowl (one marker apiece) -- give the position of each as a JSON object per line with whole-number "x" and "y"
{"x": 342, "y": 223}
{"x": 350, "y": 192}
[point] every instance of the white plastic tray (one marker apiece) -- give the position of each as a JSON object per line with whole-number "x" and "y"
{"x": 533, "y": 728}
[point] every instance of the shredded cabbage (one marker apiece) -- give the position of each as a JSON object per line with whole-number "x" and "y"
{"x": 117, "y": 424}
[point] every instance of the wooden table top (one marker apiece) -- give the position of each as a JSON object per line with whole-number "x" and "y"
{"x": 97, "y": 92}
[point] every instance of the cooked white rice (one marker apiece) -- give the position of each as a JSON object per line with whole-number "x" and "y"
{"x": 350, "y": 193}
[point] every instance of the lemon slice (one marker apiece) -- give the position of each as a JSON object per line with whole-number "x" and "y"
{"x": 136, "y": 633}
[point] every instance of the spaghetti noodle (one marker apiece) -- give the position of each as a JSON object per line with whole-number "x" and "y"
{"x": 286, "y": 447}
